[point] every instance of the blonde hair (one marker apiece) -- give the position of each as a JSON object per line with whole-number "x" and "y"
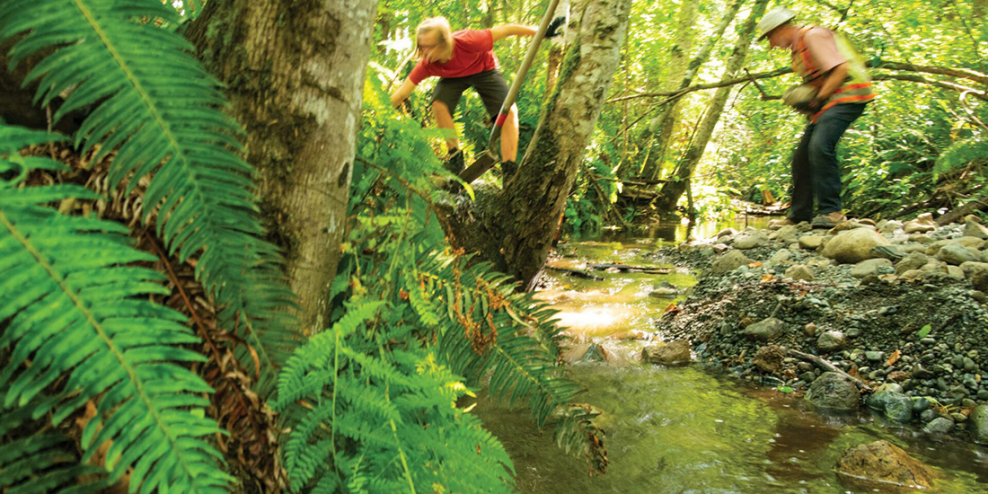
{"x": 444, "y": 38}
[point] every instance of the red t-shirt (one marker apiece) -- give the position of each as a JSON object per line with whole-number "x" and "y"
{"x": 472, "y": 54}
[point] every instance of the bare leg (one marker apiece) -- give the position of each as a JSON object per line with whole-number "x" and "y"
{"x": 509, "y": 136}
{"x": 445, "y": 121}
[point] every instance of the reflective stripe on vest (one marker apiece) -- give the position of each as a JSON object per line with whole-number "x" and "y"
{"x": 857, "y": 86}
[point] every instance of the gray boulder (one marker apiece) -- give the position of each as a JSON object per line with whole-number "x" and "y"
{"x": 922, "y": 224}
{"x": 729, "y": 262}
{"x": 765, "y": 330}
{"x": 975, "y": 229}
{"x": 750, "y": 239}
{"x": 674, "y": 353}
{"x": 810, "y": 242}
{"x": 893, "y": 405}
{"x": 939, "y": 425}
{"x": 871, "y": 267}
{"x": 831, "y": 341}
{"x": 833, "y": 391}
{"x": 800, "y": 272}
{"x": 914, "y": 260}
{"x": 853, "y": 246}
{"x": 958, "y": 254}
{"x": 978, "y": 424}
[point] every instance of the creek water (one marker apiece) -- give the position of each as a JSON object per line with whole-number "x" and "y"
{"x": 684, "y": 430}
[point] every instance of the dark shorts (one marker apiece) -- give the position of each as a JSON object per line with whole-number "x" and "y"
{"x": 489, "y": 85}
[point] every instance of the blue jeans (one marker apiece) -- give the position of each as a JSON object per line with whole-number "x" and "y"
{"x": 815, "y": 170}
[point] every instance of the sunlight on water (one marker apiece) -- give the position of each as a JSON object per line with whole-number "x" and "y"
{"x": 682, "y": 430}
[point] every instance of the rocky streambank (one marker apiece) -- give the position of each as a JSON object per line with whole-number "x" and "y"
{"x": 890, "y": 316}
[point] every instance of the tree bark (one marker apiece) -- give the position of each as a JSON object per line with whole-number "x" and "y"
{"x": 295, "y": 73}
{"x": 663, "y": 126}
{"x": 535, "y": 197}
{"x": 557, "y": 48}
{"x": 660, "y": 128}
{"x": 671, "y": 192}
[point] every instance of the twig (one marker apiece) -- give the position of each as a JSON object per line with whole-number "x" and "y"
{"x": 823, "y": 364}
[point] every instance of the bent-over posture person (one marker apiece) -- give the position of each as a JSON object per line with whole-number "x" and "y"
{"x": 465, "y": 59}
{"x": 827, "y": 63}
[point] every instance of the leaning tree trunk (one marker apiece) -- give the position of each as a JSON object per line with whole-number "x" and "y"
{"x": 535, "y": 197}
{"x": 663, "y": 125}
{"x": 295, "y": 73}
{"x": 666, "y": 121}
{"x": 673, "y": 190}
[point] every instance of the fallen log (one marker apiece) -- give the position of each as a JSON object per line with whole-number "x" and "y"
{"x": 579, "y": 273}
{"x": 630, "y": 268}
{"x": 823, "y": 364}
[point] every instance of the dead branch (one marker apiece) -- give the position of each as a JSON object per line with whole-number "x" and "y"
{"x": 825, "y": 365}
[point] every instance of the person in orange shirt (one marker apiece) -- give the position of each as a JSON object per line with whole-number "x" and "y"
{"x": 461, "y": 60}
{"x": 828, "y": 64}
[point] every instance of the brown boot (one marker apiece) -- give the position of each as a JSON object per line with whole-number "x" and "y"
{"x": 828, "y": 220}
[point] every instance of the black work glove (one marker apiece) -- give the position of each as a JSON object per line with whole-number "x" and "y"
{"x": 810, "y": 107}
{"x": 555, "y": 27}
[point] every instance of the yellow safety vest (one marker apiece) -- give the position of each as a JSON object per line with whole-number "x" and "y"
{"x": 857, "y": 86}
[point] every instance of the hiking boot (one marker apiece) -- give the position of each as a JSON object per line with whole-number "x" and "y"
{"x": 454, "y": 162}
{"x": 508, "y": 168}
{"x": 828, "y": 220}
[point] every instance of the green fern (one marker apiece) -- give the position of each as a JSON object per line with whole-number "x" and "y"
{"x": 78, "y": 313}
{"x": 152, "y": 102}
{"x": 393, "y": 417}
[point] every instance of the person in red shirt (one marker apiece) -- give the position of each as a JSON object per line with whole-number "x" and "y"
{"x": 461, "y": 60}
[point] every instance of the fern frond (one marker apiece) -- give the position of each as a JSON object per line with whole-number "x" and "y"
{"x": 201, "y": 188}
{"x": 77, "y": 310}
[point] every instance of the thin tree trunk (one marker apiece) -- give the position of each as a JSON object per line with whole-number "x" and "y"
{"x": 660, "y": 128}
{"x": 536, "y": 196}
{"x": 295, "y": 73}
{"x": 673, "y": 190}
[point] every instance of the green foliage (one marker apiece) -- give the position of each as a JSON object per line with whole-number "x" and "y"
{"x": 150, "y": 101}
{"x": 79, "y": 315}
{"x": 924, "y": 331}
{"x": 372, "y": 402}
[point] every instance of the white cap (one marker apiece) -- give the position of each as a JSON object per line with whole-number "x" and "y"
{"x": 773, "y": 19}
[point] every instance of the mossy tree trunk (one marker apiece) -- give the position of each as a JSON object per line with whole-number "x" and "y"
{"x": 295, "y": 73}
{"x": 671, "y": 191}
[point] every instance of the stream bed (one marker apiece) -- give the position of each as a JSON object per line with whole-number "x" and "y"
{"x": 683, "y": 430}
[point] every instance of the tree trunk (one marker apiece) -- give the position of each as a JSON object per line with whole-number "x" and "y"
{"x": 557, "y": 48}
{"x": 672, "y": 191}
{"x": 660, "y": 128}
{"x": 663, "y": 125}
{"x": 535, "y": 197}
{"x": 295, "y": 73}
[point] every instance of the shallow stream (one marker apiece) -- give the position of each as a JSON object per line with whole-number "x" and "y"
{"x": 683, "y": 430}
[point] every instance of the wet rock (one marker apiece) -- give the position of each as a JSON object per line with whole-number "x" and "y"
{"x": 974, "y": 229}
{"x": 893, "y": 405}
{"x": 673, "y": 353}
{"x": 810, "y": 242}
{"x": 912, "y": 261}
{"x": 922, "y": 224}
{"x": 729, "y": 262}
{"x": 939, "y": 425}
{"x": 979, "y": 424}
{"x": 853, "y": 246}
{"x": 831, "y": 341}
{"x": 871, "y": 267}
{"x": 800, "y": 272}
{"x": 750, "y": 239}
{"x": 833, "y": 391}
{"x": 958, "y": 254}
{"x": 955, "y": 272}
{"x": 595, "y": 353}
{"x": 921, "y": 239}
{"x": 882, "y": 461}
{"x": 765, "y": 330}
{"x": 664, "y": 290}
{"x": 769, "y": 358}
{"x": 890, "y": 252}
